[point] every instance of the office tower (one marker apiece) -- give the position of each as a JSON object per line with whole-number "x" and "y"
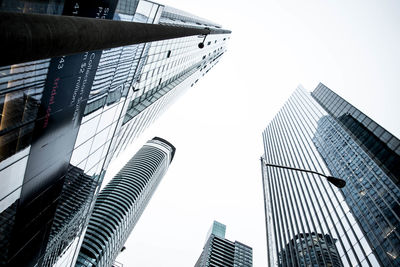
{"x": 219, "y": 251}
{"x": 317, "y": 250}
{"x": 357, "y": 225}
{"x": 379, "y": 144}
{"x": 120, "y": 204}
{"x": 64, "y": 119}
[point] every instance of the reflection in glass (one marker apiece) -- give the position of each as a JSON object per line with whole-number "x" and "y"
{"x": 72, "y": 212}
{"x": 303, "y": 135}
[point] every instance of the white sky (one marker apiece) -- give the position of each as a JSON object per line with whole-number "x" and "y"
{"x": 350, "y": 46}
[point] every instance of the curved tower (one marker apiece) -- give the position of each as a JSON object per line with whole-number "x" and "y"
{"x": 120, "y": 204}
{"x": 321, "y": 247}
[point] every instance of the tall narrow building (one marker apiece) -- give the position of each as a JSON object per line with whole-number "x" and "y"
{"x": 219, "y": 251}
{"x": 311, "y": 222}
{"x": 64, "y": 119}
{"x": 120, "y": 204}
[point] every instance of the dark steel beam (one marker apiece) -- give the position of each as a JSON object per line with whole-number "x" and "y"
{"x": 28, "y": 37}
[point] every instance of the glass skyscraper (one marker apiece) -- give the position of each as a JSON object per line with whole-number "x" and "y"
{"x": 63, "y": 119}
{"x": 311, "y": 222}
{"x": 379, "y": 144}
{"x": 120, "y": 204}
{"x": 219, "y": 251}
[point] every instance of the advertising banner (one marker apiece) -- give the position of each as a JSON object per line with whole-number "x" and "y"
{"x": 63, "y": 102}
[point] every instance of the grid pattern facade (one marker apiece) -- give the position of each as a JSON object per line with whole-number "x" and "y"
{"x": 171, "y": 67}
{"x": 217, "y": 229}
{"x": 243, "y": 255}
{"x": 322, "y": 250}
{"x": 220, "y": 252}
{"x": 173, "y": 16}
{"x": 371, "y": 192}
{"x": 379, "y": 144}
{"x": 120, "y": 204}
{"x": 77, "y": 113}
{"x": 303, "y": 204}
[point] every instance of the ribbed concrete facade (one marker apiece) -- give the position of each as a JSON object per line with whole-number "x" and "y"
{"x": 120, "y": 204}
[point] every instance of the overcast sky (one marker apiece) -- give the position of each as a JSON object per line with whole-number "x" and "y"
{"x": 350, "y": 46}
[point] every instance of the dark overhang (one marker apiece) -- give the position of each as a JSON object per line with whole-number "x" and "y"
{"x": 167, "y": 143}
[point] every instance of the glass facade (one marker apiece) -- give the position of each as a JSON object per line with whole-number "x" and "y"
{"x": 370, "y": 192}
{"x": 219, "y": 251}
{"x": 217, "y": 229}
{"x": 321, "y": 249}
{"x": 354, "y": 226}
{"x": 379, "y": 144}
{"x": 119, "y": 205}
{"x": 64, "y": 119}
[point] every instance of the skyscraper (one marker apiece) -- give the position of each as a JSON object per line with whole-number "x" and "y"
{"x": 219, "y": 251}
{"x": 120, "y": 204}
{"x": 379, "y": 144}
{"x": 357, "y": 225}
{"x": 64, "y": 119}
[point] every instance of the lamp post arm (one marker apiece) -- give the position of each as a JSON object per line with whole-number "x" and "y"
{"x": 295, "y": 169}
{"x": 340, "y": 183}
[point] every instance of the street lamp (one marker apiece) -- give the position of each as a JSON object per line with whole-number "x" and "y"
{"x": 27, "y": 37}
{"x": 340, "y": 183}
